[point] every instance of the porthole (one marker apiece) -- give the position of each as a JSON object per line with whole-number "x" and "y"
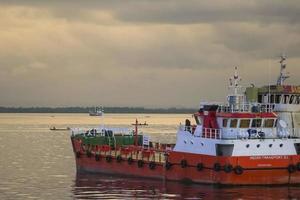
{"x": 202, "y": 144}
{"x": 184, "y": 141}
{"x": 270, "y": 145}
{"x": 192, "y": 142}
{"x": 281, "y": 145}
{"x": 258, "y": 145}
{"x": 248, "y": 145}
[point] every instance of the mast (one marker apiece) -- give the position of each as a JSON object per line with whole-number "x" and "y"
{"x": 283, "y": 74}
{"x": 235, "y": 98}
{"x": 136, "y": 125}
{"x": 234, "y": 83}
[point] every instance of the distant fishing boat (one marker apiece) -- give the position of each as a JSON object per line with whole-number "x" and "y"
{"x": 53, "y": 128}
{"x": 96, "y": 112}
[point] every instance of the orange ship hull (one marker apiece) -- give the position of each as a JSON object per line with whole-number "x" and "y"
{"x": 257, "y": 170}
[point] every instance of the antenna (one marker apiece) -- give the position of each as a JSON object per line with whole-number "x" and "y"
{"x": 102, "y": 116}
{"x": 283, "y": 74}
{"x": 269, "y": 83}
{"x": 235, "y": 98}
{"x": 234, "y": 82}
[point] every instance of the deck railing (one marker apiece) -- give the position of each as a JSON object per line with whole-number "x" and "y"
{"x": 246, "y": 107}
{"x": 212, "y": 133}
{"x": 206, "y": 132}
{"x": 99, "y": 131}
{"x": 241, "y": 133}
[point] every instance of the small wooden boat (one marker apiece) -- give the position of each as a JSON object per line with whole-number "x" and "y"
{"x": 53, "y": 128}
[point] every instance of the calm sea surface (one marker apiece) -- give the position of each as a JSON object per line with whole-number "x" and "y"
{"x": 36, "y": 163}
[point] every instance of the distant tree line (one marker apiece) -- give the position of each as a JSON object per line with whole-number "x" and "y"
{"x": 87, "y": 109}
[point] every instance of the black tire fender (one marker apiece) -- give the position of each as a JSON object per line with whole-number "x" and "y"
{"x": 200, "y": 166}
{"x": 130, "y": 161}
{"x": 119, "y": 158}
{"x": 291, "y": 168}
{"x": 152, "y": 165}
{"x": 108, "y": 159}
{"x": 238, "y": 170}
{"x": 228, "y": 168}
{"x": 140, "y": 163}
{"x": 89, "y": 154}
{"x": 183, "y": 163}
{"x": 168, "y": 165}
{"x": 217, "y": 167}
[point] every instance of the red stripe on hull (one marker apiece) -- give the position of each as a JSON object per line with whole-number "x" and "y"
{"x": 275, "y": 173}
{"x": 123, "y": 168}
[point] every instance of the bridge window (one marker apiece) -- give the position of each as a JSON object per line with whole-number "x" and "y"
{"x": 292, "y": 98}
{"x": 278, "y": 98}
{"x": 233, "y": 123}
{"x": 272, "y": 98}
{"x": 259, "y": 99}
{"x": 286, "y": 99}
{"x": 297, "y": 100}
{"x": 269, "y": 123}
{"x": 256, "y": 123}
{"x": 225, "y": 123}
{"x": 245, "y": 123}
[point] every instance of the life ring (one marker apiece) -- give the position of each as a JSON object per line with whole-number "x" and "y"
{"x": 200, "y": 166}
{"x": 168, "y": 165}
{"x": 217, "y": 167}
{"x": 228, "y": 168}
{"x": 183, "y": 163}
{"x": 152, "y": 165}
{"x": 119, "y": 158}
{"x": 129, "y": 160}
{"x": 108, "y": 159}
{"x": 238, "y": 170}
{"x": 291, "y": 168}
{"x": 140, "y": 163}
{"x": 77, "y": 154}
{"x": 89, "y": 154}
{"x": 97, "y": 157}
{"x": 298, "y": 166}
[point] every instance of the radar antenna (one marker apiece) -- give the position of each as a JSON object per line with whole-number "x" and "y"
{"x": 283, "y": 74}
{"x": 234, "y": 82}
{"x": 235, "y": 97}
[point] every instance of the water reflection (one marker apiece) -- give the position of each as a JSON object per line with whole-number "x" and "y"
{"x": 96, "y": 186}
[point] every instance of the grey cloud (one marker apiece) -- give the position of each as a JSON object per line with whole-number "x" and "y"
{"x": 260, "y": 42}
{"x": 149, "y": 53}
{"x": 177, "y": 11}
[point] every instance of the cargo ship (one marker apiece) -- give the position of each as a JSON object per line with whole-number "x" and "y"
{"x": 253, "y": 139}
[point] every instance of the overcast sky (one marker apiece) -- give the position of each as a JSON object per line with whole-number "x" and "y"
{"x": 141, "y": 53}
